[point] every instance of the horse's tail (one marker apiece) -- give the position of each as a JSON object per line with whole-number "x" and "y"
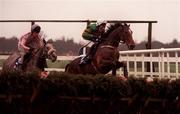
{"x": 66, "y": 68}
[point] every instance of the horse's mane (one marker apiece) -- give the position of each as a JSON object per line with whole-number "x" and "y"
{"x": 111, "y": 28}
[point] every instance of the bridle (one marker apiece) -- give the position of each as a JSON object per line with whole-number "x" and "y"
{"x": 44, "y": 54}
{"x": 126, "y": 31}
{"x": 122, "y": 36}
{"x": 35, "y": 53}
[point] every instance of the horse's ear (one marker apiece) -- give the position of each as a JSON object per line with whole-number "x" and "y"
{"x": 125, "y": 24}
{"x": 44, "y": 41}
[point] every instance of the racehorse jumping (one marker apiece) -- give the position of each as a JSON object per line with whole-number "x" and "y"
{"x": 107, "y": 54}
{"x": 35, "y": 60}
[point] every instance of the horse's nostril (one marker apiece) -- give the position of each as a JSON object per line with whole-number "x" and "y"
{"x": 54, "y": 56}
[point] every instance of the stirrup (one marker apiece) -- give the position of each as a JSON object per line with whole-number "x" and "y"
{"x": 82, "y": 62}
{"x": 18, "y": 65}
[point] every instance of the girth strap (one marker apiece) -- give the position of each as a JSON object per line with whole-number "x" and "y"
{"x": 107, "y": 46}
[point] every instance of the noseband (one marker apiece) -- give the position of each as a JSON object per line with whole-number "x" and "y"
{"x": 123, "y": 34}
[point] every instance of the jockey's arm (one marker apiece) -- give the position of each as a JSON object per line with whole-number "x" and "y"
{"x": 22, "y": 43}
{"x": 87, "y": 36}
{"x": 88, "y": 33}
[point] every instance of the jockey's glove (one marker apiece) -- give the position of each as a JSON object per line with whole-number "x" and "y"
{"x": 31, "y": 49}
{"x": 94, "y": 39}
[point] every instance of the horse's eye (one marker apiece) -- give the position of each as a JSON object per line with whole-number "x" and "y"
{"x": 127, "y": 32}
{"x": 131, "y": 31}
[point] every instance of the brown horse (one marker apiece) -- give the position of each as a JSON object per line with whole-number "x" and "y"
{"x": 107, "y": 54}
{"x": 36, "y": 59}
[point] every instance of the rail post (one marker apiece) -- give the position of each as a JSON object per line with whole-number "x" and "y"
{"x": 148, "y": 44}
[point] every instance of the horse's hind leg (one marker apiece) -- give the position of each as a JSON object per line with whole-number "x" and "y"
{"x": 66, "y": 68}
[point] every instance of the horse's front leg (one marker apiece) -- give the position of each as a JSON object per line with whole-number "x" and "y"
{"x": 114, "y": 70}
{"x": 122, "y": 64}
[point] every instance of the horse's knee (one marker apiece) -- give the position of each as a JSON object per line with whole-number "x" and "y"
{"x": 121, "y": 64}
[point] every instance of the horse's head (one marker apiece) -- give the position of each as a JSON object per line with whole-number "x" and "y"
{"x": 39, "y": 56}
{"x": 51, "y": 52}
{"x": 119, "y": 33}
{"x": 125, "y": 36}
{"x": 46, "y": 51}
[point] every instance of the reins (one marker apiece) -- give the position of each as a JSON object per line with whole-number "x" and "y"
{"x": 33, "y": 54}
{"x": 30, "y": 55}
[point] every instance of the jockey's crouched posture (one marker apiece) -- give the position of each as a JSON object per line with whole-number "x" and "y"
{"x": 93, "y": 32}
{"x": 29, "y": 41}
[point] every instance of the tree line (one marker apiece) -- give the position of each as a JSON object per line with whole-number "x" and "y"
{"x": 69, "y": 47}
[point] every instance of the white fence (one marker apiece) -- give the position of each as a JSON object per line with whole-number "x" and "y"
{"x": 161, "y": 63}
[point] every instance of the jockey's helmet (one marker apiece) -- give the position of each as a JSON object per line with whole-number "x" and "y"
{"x": 100, "y": 22}
{"x": 35, "y": 28}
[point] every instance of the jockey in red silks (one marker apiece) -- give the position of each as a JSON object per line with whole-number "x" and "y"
{"x": 29, "y": 41}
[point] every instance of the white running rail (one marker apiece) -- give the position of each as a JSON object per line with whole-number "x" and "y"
{"x": 163, "y": 63}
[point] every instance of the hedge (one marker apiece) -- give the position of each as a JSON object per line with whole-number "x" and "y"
{"x": 74, "y": 94}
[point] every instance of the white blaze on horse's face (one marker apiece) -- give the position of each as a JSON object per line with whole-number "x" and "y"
{"x": 51, "y": 52}
{"x": 128, "y": 38}
{"x": 52, "y": 55}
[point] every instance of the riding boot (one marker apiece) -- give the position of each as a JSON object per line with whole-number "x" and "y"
{"x": 84, "y": 60}
{"x": 23, "y": 66}
{"x": 18, "y": 63}
{"x": 87, "y": 59}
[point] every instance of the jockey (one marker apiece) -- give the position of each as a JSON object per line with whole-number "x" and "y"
{"x": 93, "y": 33}
{"x": 31, "y": 40}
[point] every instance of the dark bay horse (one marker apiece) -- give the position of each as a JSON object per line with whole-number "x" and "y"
{"x": 36, "y": 59}
{"x": 106, "y": 57}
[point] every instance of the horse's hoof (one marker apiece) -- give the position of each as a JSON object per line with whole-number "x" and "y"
{"x": 44, "y": 74}
{"x": 122, "y": 78}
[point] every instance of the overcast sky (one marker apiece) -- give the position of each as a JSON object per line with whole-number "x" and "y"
{"x": 166, "y": 12}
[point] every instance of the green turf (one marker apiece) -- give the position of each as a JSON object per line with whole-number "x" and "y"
{"x": 57, "y": 64}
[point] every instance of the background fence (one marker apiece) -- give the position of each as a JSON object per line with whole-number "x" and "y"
{"x": 163, "y": 63}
